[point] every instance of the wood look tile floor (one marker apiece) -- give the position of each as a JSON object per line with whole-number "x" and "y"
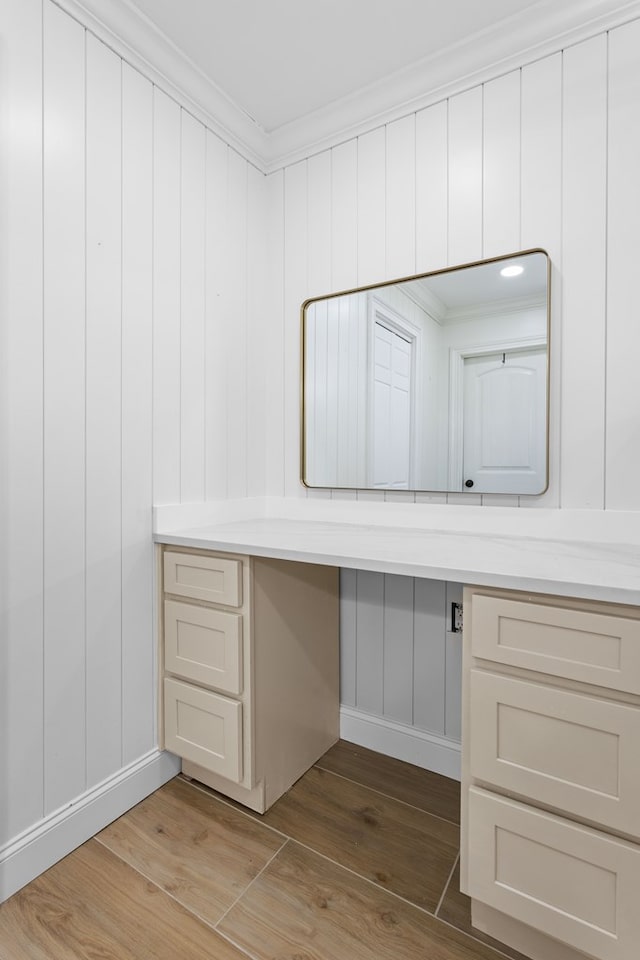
{"x": 358, "y": 861}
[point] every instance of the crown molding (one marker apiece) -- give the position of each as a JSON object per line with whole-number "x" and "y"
{"x": 130, "y": 34}
{"x": 542, "y": 29}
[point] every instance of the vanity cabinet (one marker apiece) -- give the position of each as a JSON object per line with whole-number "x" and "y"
{"x": 551, "y": 773}
{"x": 249, "y": 659}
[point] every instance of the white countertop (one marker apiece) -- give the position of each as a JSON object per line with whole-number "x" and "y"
{"x": 388, "y": 542}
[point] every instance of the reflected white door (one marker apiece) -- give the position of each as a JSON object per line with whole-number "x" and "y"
{"x": 391, "y": 409}
{"x": 505, "y": 422}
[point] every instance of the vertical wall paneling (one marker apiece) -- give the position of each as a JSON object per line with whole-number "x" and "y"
{"x": 258, "y": 381}
{"x": 344, "y": 253}
{"x": 398, "y": 641}
{"x": 465, "y": 176}
{"x": 453, "y": 668}
{"x": 348, "y": 636}
{"x": 319, "y": 272}
{"x": 192, "y": 308}
{"x": 541, "y": 223}
{"x": 623, "y": 335}
{"x": 432, "y": 219}
{"x": 166, "y": 299}
{"x": 295, "y": 292}
{"x": 216, "y": 307}
{"x": 371, "y": 207}
{"x": 64, "y": 407}
{"x": 319, "y": 212}
{"x": 428, "y": 673}
{"x": 236, "y": 322}
{"x": 344, "y": 216}
{"x": 372, "y": 149}
{"x": 137, "y": 418}
{"x": 465, "y": 193}
{"x": 103, "y": 411}
{"x": 501, "y": 166}
{"x": 584, "y": 184}
{"x": 276, "y": 459}
{"x": 400, "y": 211}
{"x": 21, "y": 478}
{"x": 432, "y": 188}
{"x": 501, "y": 184}
{"x": 370, "y": 642}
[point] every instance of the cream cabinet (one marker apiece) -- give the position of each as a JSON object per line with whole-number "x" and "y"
{"x": 551, "y": 774}
{"x": 249, "y": 660}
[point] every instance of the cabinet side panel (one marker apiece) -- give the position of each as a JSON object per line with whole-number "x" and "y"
{"x": 295, "y": 623}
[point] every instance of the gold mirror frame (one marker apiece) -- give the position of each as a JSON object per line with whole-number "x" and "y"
{"x": 444, "y": 277}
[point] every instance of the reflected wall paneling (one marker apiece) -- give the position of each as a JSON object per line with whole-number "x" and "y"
{"x": 21, "y": 426}
{"x": 103, "y": 391}
{"x": 64, "y": 409}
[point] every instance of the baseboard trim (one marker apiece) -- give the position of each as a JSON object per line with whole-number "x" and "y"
{"x": 42, "y": 845}
{"x": 426, "y": 750}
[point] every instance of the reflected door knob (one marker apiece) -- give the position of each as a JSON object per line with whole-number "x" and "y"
{"x": 468, "y": 483}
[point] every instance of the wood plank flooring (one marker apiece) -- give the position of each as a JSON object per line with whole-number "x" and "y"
{"x": 358, "y": 861}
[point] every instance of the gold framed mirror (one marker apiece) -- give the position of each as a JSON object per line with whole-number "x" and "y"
{"x": 436, "y": 383}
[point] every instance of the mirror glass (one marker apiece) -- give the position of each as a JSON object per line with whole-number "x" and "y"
{"x": 437, "y": 383}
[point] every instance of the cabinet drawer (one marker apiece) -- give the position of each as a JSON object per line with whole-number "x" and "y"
{"x": 575, "y": 884}
{"x": 204, "y": 727}
{"x": 215, "y": 579}
{"x": 564, "y": 749}
{"x": 580, "y": 645}
{"x": 204, "y": 645}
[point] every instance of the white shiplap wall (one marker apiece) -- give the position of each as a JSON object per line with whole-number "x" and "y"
{"x": 131, "y": 233}
{"x": 546, "y": 155}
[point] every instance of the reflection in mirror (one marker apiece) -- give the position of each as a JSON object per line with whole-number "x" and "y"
{"x": 435, "y": 383}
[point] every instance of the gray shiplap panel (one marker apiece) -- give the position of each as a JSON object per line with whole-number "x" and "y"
{"x": 370, "y": 642}
{"x": 429, "y": 655}
{"x": 398, "y": 648}
{"x": 348, "y": 636}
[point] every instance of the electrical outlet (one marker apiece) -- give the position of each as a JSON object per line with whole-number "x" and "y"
{"x": 456, "y": 618}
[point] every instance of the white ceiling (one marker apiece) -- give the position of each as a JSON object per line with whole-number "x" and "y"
{"x": 282, "y": 79}
{"x": 279, "y": 60}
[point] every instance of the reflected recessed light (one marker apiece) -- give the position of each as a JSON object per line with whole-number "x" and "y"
{"x": 512, "y": 271}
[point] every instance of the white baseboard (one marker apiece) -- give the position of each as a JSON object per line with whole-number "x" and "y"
{"x": 38, "y": 848}
{"x": 426, "y": 750}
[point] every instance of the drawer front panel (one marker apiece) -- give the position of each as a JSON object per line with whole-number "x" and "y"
{"x": 204, "y": 727}
{"x": 565, "y": 749}
{"x": 204, "y": 645}
{"x": 574, "y": 884}
{"x": 215, "y": 579}
{"x": 576, "y": 644}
